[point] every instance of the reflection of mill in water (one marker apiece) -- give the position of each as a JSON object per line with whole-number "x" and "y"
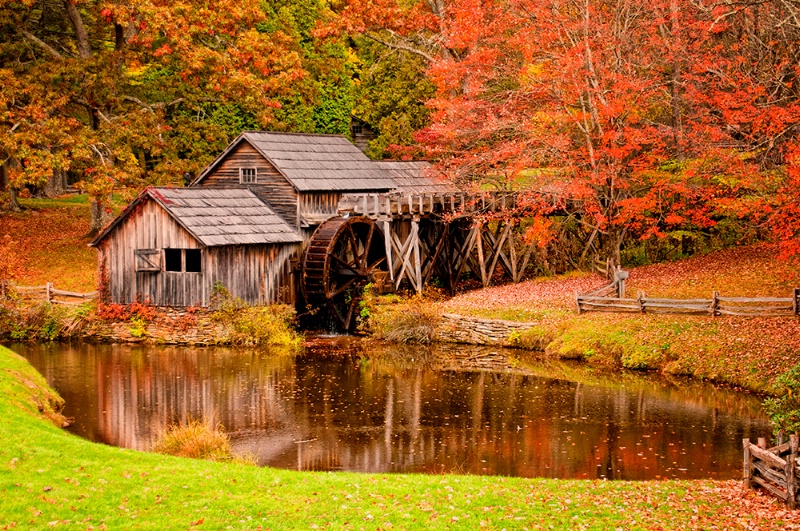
{"x": 313, "y": 414}
{"x": 336, "y": 412}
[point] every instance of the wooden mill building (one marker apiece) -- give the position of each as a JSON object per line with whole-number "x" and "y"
{"x": 301, "y": 176}
{"x": 170, "y": 246}
{"x": 298, "y": 218}
{"x": 242, "y": 223}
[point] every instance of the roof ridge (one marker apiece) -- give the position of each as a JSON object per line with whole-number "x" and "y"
{"x": 294, "y": 133}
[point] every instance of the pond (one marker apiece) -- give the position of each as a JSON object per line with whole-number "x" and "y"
{"x": 341, "y": 405}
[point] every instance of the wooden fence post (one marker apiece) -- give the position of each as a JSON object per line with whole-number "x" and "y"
{"x": 795, "y": 301}
{"x": 578, "y": 302}
{"x": 791, "y": 481}
{"x": 714, "y": 303}
{"x": 48, "y": 287}
{"x": 748, "y": 470}
{"x": 640, "y": 300}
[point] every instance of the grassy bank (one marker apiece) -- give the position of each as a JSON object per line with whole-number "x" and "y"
{"x": 749, "y": 352}
{"x": 49, "y": 478}
{"x": 50, "y": 243}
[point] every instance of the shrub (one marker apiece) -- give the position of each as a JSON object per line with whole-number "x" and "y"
{"x": 414, "y": 322}
{"x": 197, "y": 440}
{"x": 784, "y": 409}
{"x": 37, "y": 320}
{"x": 271, "y": 325}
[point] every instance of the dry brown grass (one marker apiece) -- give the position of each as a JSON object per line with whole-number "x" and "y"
{"x": 196, "y": 440}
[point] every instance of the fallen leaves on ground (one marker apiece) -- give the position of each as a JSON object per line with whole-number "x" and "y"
{"x": 51, "y": 245}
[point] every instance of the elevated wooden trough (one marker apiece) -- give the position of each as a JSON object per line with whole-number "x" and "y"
{"x": 446, "y": 234}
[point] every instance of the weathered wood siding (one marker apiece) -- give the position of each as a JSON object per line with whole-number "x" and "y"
{"x": 255, "y": 273}
{"x": 271, "y": 186}
{"x": 150, "y": 227}
{"x": 316, "y": 203}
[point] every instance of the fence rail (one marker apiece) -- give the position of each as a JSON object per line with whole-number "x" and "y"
{"x": 611, "y": 298}
{"x": 49, "y": 293}
{"x": 775, "y": 469}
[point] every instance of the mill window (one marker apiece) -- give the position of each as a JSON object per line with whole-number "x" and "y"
{"x": 247, "y": 175}
{"x": 193, "y": 261}
{"x": 183, "y": 260}
{"x": 172, "y": 260}
{"x": 148, "y": 260}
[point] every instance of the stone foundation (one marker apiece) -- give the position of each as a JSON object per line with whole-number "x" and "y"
{"x": 174, "y": 326}
{"x": 476, "y": 331}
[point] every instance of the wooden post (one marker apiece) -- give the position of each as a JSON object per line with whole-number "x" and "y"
{"x": 640, "y": 300}
{"x": 47, "y": 289}
{"x": 417, "y": 258}
{"x": 481, "y": 257}
{"x": 714, "y": 303}
{"x": 791, "y": 481}
{"x": 796, "y": 301}
{"x": 762, "y": 443}
{"x": 748, "y": 470}
{"x": 578, "y": 302}
{"x": 387, "y": 242}
{"x": 781, "y": 437}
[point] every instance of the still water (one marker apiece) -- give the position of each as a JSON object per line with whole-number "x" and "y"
{"x": 340, "y": 405}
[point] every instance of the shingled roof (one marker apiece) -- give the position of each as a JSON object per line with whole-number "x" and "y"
{"x": 313, "y": 162}
{"x": 414, "y": 177}
{"x": 216, "y": 216}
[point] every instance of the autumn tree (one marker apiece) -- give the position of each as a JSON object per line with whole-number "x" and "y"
{"x": 113, "y": 91}
{"x": 391, "y": 95}
{"x": 617, "y": 109}
{"x": 401, "y": 45}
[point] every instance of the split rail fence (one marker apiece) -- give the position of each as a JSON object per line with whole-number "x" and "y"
{"x": 775, "y": 469}
{"x": 50, "y": 294}
{"x": 611, "y": 298}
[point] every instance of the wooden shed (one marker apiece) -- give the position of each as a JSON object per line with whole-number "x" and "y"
{"x": 171, "y": 246}
{"x": 302, "y": 176}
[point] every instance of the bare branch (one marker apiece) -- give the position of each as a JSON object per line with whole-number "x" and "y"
{"x": 400, "y": 46}
{"x": 139, "y": 102}
{"x": 152, "y": 106}
{"x": 43, "y": 45}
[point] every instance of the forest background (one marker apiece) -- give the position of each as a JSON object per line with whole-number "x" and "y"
{"x": 637, "y": 131}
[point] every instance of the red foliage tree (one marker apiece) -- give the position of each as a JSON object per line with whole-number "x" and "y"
{"x": 641, "y": 117}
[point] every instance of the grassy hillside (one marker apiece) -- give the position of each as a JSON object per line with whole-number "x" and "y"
{"x": 49, "y": 239}
{"x": 49, "y": 478}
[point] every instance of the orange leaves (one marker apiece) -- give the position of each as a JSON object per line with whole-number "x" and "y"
{"x": 163, "y": 50}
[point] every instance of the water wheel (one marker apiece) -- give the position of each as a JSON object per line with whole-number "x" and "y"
{"x": 339, "y": 261}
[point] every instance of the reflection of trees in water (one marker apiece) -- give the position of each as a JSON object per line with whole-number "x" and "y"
{"x": 390, "y": 414}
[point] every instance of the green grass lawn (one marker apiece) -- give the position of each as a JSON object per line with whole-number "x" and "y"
{"x": 49, "y": 478}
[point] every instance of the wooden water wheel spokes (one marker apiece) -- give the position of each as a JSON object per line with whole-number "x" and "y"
{"x": 339, "y": 261}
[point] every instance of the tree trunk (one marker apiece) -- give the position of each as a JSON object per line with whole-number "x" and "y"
{"x": 55, "y": 184}
{"x": 101, "y": 215}
{"x": 81, "y": 37}
{"x": 13, "y": 201}
{"x": 3, "y": 177}
{"x": 5, "y": 171}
